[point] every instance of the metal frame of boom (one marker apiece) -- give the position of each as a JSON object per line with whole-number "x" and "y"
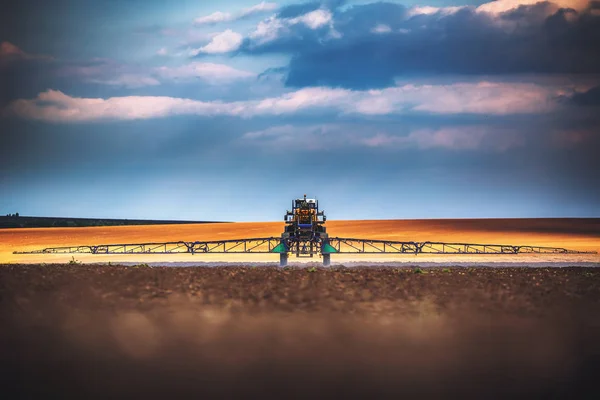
{"x": 334, "y": 245}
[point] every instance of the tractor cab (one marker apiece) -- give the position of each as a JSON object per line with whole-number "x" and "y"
{"x": 304, "y": 230}
{"x": 305, "y": 221}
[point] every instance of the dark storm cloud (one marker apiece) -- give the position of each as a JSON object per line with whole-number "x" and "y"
{"x": 587, "y": 98}
{"x": 295, "y": 10}
{"x": 529, "y": 39}
{"x": 21, "y": 73}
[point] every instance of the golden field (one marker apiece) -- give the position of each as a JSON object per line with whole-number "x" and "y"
{"x": 575, "y": 234}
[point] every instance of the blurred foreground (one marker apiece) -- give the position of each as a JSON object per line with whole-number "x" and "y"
{"x": 111, "y": 331}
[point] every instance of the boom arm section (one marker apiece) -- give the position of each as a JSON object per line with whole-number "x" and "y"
{"x": 254, "y": 245}
{"x": 325, "y": 246}
{"x": 348, "y": 245}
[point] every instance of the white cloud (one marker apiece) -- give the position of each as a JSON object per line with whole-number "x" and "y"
{"x": 210, "y": 72}
{"x": 460, "y": 98}
{"x": 484, "y": 97}
{"x": 470, "y": 98}
{"x": 422, "y": 10}
{"x": 109, "y": 72}
{"x": 319, "y": 137}
{"x": 428, "y": 10}
{"x": 314, "y": 19}
{"x": 128, "y": 80}
{"x": 303, "y": 99}
{"x": 495, "y": 7}
{"x": 223, "y": 42}
{"x": 268, "y": 30}
{"x": 271, "y": 28}
{"x": 500, "y": 6}
{"x": 381, "y": 28}
{"x": 453, "y": 138}
{"x": 219, "y": 16}
{"x": 213, "y": 18}
{"x": 312, "y": 137}
{"x": 263, "y": 6}
{"x": 55, "y": 106}
{"x": 162, "y": 52}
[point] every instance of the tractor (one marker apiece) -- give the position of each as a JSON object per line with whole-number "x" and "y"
{"x": 304, "y": 232}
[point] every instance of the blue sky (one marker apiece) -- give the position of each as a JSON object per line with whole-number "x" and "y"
{"x": 210, "y": 111}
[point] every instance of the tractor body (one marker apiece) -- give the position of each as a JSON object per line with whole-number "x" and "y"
{"x": 304, "y": 232}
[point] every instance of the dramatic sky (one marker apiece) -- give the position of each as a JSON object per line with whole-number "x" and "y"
{"x": 212, "y": 110}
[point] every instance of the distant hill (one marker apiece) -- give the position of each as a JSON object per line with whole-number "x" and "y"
{"x": 59, "y": 222}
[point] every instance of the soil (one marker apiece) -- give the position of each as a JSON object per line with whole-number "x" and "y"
{"x": 97, "y": 331}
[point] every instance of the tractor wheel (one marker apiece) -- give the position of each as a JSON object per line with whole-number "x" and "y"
{"x": 283, "y": 259}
